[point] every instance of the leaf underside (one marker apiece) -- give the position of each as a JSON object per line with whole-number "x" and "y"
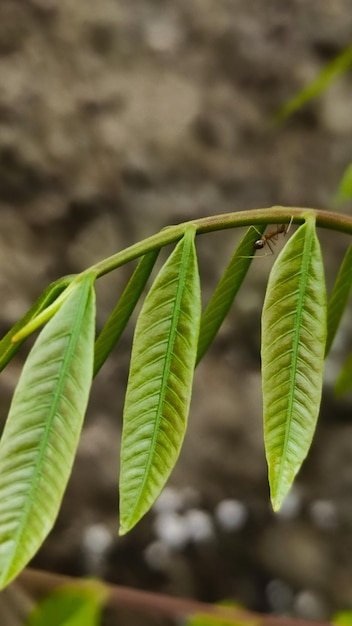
{"x": 225, "y": 293}
{"x": 42, "y": 430}
{"x": 160, "y": 382}
{"x": 293, "y": 344}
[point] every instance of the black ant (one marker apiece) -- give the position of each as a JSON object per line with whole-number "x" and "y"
{"x": 272, "y": 236}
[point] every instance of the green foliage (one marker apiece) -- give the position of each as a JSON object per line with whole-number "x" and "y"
{"x": 8, "y": 347}
{"x": 337, "y": 67}
{"x": 70, "y": 606}
{"x": 344, "y": 618}
{"x": 344, "y": 191}
{"x": 332, "y": 71}
{"x": 214, "y": 620}
{"x": 160, "y": 382}
{"x": 339, "y": 297}
{"x": 41, "y": 434}
{"x": 293, "y": 345}
{"x": 43, "y": 427}
{"x": 344, "y": 379}
{"x": 222, "y": 619}
{"x": 122, "y": 312}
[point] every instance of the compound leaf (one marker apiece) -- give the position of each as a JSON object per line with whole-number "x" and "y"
{"x": 293, "y": 344}
{"x": 225, "y": 293}
{"x": 123, "y": 310}
{"x": 339, "y": 297}
{"x": 42, "y": 430}
{"x": 160, "y": 382}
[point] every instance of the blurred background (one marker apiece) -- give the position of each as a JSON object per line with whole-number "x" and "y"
{"x": 120, "y": 117}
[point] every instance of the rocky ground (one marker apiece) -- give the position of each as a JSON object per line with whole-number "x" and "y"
{"x": 116, "y": 119}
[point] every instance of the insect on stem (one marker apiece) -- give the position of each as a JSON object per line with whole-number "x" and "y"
{"x": 271, "y": 237}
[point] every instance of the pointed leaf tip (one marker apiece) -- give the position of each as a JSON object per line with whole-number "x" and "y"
{"x": 278, "y": 501}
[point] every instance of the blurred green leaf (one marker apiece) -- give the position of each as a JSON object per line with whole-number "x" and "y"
{"x": 339, "y": 297}
{"x": 70, "y": 606}
{"x": 215, "y": 619}
{"x": 343, "y": 618}
{"x": 344, "y": 191}
{"x": 344, "y": 380}
{"x": 338, "y": 66}
{"x": 210, "y": 620}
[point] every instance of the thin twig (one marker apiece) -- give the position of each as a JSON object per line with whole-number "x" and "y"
{"x": 42, "y": 582}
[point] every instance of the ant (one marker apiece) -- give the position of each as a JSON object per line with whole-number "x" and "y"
{"x": 272, "y": 236}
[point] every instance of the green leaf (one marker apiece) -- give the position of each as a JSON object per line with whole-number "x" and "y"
{"x": 293, "y": 344}
{"x": 160, "y": 382}
{"x": 239, "y": 617}
{"x": 7, "y": 347}
{"x": 225, "y": 293}
{"x": 344, "y": 380}
{"x": 345, "y": 187}
{"x": 122, "y": 312}
{"x": 343, "y": 618}
{"x": 42, "y": 430}
{"x": 70, "y": 606}
{"x": 339, "y": 297}
{"x": 216, "y": 620}
{"x": 338, "y": 66}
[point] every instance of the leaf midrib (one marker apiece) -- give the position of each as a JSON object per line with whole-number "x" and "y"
{"x": 73, "y": 337}
{"x": 184, "y": 268}
{"x": 304, "y": 277}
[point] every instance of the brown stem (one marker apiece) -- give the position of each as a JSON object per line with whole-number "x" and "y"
{"x": 41, "y": 582}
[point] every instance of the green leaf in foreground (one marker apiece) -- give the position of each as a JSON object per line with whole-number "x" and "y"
{"x": 293, "y": 345}
{"x": 160, "y": 382}
{"x": 339, "y": 297}
{"x": 122, "y": 312}
{"x": 343, "y": 618}
{"x": 225, "y": 293}
{"x": 42, "y": 430}
{"x": 70, "y": 606}
{"x": 344, "y": 380}
{"x": 7, "y": 347}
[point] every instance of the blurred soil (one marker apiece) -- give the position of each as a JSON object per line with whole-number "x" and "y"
{"x": 118, "y": 118}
